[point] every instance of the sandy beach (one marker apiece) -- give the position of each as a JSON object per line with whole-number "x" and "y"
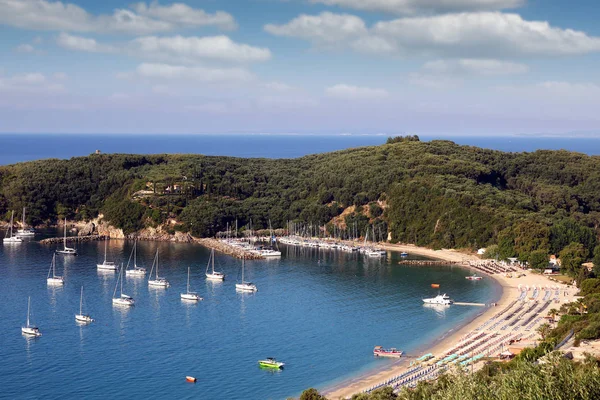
{"x": 510, "y": 294}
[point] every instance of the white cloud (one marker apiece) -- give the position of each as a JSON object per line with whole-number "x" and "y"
{"x": 61, "y": 76}
{"x": 56, "y": 15}
{"x": 278, "y": 86}
{"x": 468, "y": 35}
{"x": 25, "y": 48}
{"x": 32, "y": 82}
{"x": 323, "y": 29}
{"x": 483, "y": 34}
{"x": 345, "y": 91}
{"x": 200, "y": 74}
{"x": 198, "y": 48}
{"x": 426, "y": 6}
{"x": 79, "y": 43}
{"x": 182, "y": 14}
{"x": 470, "y": 66}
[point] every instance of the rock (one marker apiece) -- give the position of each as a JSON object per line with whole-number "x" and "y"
{"x": 87, "y": 230}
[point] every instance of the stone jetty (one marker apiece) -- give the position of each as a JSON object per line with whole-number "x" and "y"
{"x": 90, "y": 238}
{"x": 228, "y": 249}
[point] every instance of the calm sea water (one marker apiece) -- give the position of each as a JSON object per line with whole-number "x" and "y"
{"x": 26, "y": 147}
{"x": 319, "y": 311}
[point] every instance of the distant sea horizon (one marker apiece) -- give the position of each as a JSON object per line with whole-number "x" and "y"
{"x": 21, "y": 147}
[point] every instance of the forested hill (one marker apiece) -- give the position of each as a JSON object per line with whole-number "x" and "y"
{"x": 437, "y": 193}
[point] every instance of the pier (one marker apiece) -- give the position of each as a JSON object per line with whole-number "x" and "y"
{"x": 228, "y": 249}
{"x": 90, "y": 238}
{"x": 459, "y": 303}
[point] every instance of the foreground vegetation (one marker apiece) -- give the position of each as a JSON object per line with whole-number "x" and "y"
{"x": 559, "y": 378}
{"x": 435, "y": 194}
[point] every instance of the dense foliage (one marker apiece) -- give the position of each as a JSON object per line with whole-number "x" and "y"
{"x": 435, "y": 193}
{"x": 559, "y": 378}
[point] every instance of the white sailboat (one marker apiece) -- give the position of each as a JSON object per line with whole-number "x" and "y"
{"x": 135, "y": 271}
{"x": 10, "y": 238}
{"x": 106, "y": 265}
{"x": 214, "y": 275}
{"x": 81, "y": 317}
{"x": 67, "y": 250}
{"x": 52, "y": 278}
{"x": 245, "y": 286}
{"x": 28, "y": 329}
{"x": 123, "y": 299}
{"x": 25, "y": 231}
{"x": 193, "y": 296}
{"x": 157, "y": 281}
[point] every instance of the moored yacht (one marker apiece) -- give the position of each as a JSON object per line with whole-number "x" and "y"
{"x": 270, "y": 362}
{"x": 213, "y": 275}
{"x": 106, "y": 265}
{"x": 25, "y": 231}
{"x": 157, "y": 281}
{"x": 67, "y": 250}
{"x": 10, "y": 238}
{"x": 439, "y": 299}
{"x": 53, "y": 279}
{"x": 381, "y": 352}
{"x": 245, "y": 286}
{"x": 28, "y": 329}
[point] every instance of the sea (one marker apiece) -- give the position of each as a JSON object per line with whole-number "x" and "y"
{"x": 319, "y": 311}
{"x": 16, "y": 148}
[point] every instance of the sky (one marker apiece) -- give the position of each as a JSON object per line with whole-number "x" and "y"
{"x": 431, "y": 67}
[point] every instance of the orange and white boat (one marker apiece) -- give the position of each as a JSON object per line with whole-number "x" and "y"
{"x": 381, "y": 352}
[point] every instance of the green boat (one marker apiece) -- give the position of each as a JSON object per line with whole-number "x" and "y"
{"x": 271, "y": 363}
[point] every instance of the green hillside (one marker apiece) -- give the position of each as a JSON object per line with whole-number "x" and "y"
{"x": 435, "y": 194}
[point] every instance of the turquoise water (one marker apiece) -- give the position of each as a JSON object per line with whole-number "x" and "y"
{"x": 320, "y": 312}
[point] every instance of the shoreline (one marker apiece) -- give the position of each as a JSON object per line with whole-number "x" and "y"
{"x": 509, "y": 292}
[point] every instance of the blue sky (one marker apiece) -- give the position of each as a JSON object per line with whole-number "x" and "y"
{"x": 436, "y": 67}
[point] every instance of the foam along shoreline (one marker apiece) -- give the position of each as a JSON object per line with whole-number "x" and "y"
{"x": 488, "y": 322}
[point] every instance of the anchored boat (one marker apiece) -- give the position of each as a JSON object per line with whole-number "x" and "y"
{"x": 474, "y": 277}
{"x": 381, "y": 352}
{"x": 439, "y": 299}
{"x": 270, "y": 362}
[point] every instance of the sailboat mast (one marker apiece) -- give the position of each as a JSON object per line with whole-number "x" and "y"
{"x": 121, "y": 279}
{"x": 105, "y": 249}
{"x": 81, "y": 302}
{"x": 23, "y": 227}
{"x": 212, "y": 256}
{"x": 28, "y": 306}
{"x": 65, "y": 237}
{"x": 188, "y": 283}
{"x": 244, "y": 258}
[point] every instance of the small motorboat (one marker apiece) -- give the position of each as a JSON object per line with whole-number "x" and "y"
{"x": 474, "y": 277}
{"x": 381, "y": 352}
{"x": 190, "y": 379}
{"x": 270, "y": 362}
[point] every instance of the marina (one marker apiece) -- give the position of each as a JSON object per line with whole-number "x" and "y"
{"x": 303, "y": 286}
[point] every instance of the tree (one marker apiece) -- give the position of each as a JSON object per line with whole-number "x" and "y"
{"x": 553, "y": 313}
{"x": 312, "y": 394}
{"x": 384, "y": 393}
{"x": 571, "y": 258}
{"x": 596, "y": 261}
{"x": 538, "y": 259}
{"x": 492, "y": 252}
{"x": 544, "y": 329}
{"x": 590, "y": 286}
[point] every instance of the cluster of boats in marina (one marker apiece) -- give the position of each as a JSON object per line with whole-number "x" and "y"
{"x": 369, "y": 251}
{"x": 12, "y": 237}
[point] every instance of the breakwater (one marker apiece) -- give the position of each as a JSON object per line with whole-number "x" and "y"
{"x": 90, "y": 238}
{"x": 228, "y": 249}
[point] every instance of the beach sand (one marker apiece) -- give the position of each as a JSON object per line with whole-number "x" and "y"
{"x": 510, "y": 292}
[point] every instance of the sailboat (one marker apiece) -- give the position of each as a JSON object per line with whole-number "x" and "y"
{"x": 54, "y": 280}
{"x": 245, "y": 286}
{"x": 135, "y": 271}
{"x": 9, "y": 238}
{"x": 81, "y": 317}
{"x": 190, "y": 295}
{"x": 30, "y": 330}
{"x": 25, "y": 231}
{"x": 123, "y": 299}
{"x": 158, "y": 282}
{"x": 214, "y": 275}
{"x": 67, "y": 250}
{"x": 106, "y": 265}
